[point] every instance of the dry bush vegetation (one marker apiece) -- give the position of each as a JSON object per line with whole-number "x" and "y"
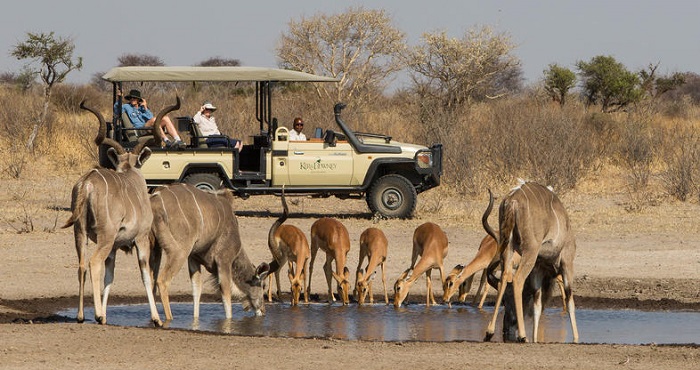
{"x": 637, "y": 160}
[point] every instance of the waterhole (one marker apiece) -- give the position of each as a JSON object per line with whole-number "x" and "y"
{"x": 414, "y": 322}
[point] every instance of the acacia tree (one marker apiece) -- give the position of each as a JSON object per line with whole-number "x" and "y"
{"x": 608, "y": 83}
{"x": 359, "y": 47}
{"x": 455, "y": 70}
{"x": 558, "y": 81}
{"x": 52, "y": 59}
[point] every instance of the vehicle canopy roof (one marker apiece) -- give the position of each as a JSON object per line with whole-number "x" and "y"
{"x": 204, "y": 74}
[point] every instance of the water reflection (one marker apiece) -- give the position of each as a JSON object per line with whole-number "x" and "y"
{"x": 415, "y": 323}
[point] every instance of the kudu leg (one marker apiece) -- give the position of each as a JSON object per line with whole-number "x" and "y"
{"x": 97, "y": 261}
{"x": 195, "y": 270}
{"x": 143, "y": 254}
{"x": 81, "y": 247}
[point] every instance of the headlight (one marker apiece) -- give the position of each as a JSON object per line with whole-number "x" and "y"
{"x": 424, "y": 159}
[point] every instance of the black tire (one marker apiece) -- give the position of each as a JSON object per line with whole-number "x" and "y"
{"x": 392, "y": 196}
{"x": 204, "y": 181}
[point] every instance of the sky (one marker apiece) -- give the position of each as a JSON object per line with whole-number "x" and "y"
{"x": 635, "y": 32}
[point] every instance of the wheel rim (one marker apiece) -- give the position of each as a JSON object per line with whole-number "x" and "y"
{"x": 204, "y": 186}
{"x": 392, "y": 199}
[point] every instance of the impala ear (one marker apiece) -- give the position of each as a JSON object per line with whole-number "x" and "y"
{"x": 371, "y": 277}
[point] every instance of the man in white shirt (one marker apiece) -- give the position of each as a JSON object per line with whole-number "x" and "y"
{"x": 208, "y": 127}
{"x": 296, "y": 134}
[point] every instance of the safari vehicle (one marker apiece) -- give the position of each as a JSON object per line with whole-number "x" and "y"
{"x": 343, "y": 163}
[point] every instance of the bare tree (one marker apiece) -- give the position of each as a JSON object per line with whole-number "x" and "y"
{"x": 360, "y": 47}
{"x": 54, "y": 55}
{"x": 453, "y": 70}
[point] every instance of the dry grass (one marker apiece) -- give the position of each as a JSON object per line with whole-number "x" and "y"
{"x": 631, "y": 163}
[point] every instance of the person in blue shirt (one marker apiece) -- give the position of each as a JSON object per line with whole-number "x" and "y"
{"x": 136, "y": 108}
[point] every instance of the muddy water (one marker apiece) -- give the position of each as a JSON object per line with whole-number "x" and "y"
{"x": 415, "y": 323}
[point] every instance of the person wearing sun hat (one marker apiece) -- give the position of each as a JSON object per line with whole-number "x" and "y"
{"x": 208, "y": 127}
{"x": 142, "y": 117}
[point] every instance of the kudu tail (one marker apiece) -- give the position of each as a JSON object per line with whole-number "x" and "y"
{"x": 79, "y": 198}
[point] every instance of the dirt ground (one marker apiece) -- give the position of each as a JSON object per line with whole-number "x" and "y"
{"x": 646, "y": 260}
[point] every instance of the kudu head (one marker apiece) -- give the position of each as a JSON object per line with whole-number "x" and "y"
{"x": 254, "y": 296}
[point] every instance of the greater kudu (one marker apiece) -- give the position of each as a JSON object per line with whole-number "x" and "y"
{"x": 201, "y": 228}
{"x": 534, "y": 223}
{"x": 110, "y": 207}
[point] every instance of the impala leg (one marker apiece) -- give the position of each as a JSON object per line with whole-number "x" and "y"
{"x": 464, "y": 289}
{"x": 429, "y": 287}
{"x": 195, "y": 270}
{"x": 386, "y": 295}
{"x": 314, "y": 251}
{"x": 328, "y": 271}
{"x": 560, "y": 282}
{"x": 483, "y": 290}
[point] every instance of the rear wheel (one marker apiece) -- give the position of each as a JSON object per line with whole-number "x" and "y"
{"x": 204, "y": 181}
{"x": 392, "y": 196}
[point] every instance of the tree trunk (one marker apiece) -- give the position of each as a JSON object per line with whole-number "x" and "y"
{"x": 42, "y": 120}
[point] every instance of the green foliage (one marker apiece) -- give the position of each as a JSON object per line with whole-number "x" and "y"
{"x": 558, "y": 81}
{"x": 54, "y": 56}
{"x": 50, "y": 53}
{"x": 608, "y": 83}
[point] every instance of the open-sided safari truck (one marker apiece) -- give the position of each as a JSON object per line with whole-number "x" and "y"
{"x": 344, "y": 163}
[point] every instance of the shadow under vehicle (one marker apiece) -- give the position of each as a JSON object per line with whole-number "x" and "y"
{"x": 341, "y": 163}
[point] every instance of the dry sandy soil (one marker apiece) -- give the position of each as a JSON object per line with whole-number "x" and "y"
{"x": 647, "y": 260}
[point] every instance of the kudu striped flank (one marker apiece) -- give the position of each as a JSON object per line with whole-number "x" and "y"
{"x": 110, "y": 207}
{"x": 534, "y": 224}
{"x": 201, "y": 228}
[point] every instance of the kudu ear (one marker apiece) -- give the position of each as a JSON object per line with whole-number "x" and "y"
{"x": 261, "y": 272}
{"x": 113, "y": 157}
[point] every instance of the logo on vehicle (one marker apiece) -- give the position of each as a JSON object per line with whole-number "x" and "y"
{"x": 317, "y": 166}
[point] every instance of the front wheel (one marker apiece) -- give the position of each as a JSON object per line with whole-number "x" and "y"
{"x": 204, "y": 181}
{"x": 392, "y": 196}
